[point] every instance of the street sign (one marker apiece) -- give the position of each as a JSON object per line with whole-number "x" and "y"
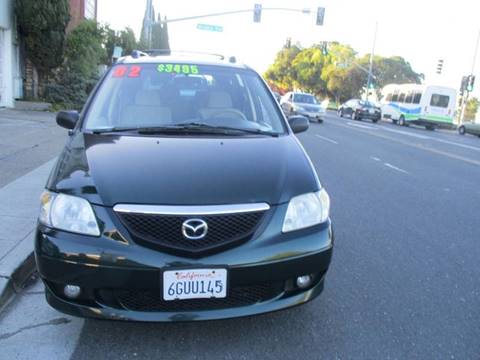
{"x": 117, "y": 52}
{"x": 209, "y": 27}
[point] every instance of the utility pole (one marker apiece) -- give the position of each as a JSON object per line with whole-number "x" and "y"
{"x": 465, "y": 98}
{"x": 369, "y": 79}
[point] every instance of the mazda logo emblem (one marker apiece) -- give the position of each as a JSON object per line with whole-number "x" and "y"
{"x": 194, "y": 229}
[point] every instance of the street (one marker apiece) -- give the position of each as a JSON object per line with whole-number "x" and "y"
{"x": 404, "y": 281}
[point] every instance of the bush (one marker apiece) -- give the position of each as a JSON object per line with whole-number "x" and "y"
{"x": 79, "y": 72}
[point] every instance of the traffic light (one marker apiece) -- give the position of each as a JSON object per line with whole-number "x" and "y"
{"x": 470, "y": 83}
{"x": 439, "y": 66}
{"x": 463, "y": 86}
{"x": 257, "y": 13}
{"x": 320, "y": 15}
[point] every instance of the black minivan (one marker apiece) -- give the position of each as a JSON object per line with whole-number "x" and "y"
{"x": 182, "y": 194}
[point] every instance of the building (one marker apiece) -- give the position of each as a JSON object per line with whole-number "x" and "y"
{"x": 81, "y": 10}
{"x": 10, "y": 74}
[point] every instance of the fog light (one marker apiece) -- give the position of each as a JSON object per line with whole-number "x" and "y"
{"x": 71, "y": 291}
{"x": 304, "y": 281}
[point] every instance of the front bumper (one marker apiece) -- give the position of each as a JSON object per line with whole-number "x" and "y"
{"x": 113, "y": 262}
{"x": 318, "y": 116}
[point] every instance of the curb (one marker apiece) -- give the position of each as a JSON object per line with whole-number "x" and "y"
{"x": 11, "y": 286}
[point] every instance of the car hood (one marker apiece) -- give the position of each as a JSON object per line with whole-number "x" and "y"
{"x": 109, "y": 170}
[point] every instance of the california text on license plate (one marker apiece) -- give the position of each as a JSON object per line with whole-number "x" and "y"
{"x": 194, "y": 284}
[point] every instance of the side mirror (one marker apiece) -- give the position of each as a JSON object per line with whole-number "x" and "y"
{"x": 298, "y": 123}
{"x": 67, "y": 119}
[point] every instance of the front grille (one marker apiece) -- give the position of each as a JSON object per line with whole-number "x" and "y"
{"x": 166, "y": 230}
{"x": 151, "y": 300}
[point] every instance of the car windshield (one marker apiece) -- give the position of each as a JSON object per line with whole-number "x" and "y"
{"x": 367, "y": 103}
{"x": 173, "y": 95}
{"x": 305, "y": 99}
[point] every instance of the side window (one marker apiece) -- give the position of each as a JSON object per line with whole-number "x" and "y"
{"x": 439, "y": 100}
{"x": 417, "y": 97}
{"x": 395, "y": 96}
{"x": 389, "y": 97}
{"x": 401, "y": 97}
{"x": 409, "y": 97}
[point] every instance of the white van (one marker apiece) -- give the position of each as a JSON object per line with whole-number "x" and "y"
{"x": 430, "y": 106}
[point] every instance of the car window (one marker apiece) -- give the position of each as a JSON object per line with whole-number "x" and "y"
{"x": 304, "y": 99}
{"x": 395, "y": 96}
{"x": 439, "y": 100}
{"x": 417, "y": 97}
{"x": 389, "y": 97}
{"x": 409, "y": 97}
{"x": 401, "y": 97}
{"x": 149, "y": 95}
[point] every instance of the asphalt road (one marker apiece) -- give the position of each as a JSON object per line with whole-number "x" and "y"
{"x": 404, "y": 282}
{"x": 27, "y": 140}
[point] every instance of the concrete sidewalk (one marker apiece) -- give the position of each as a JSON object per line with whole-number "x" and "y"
{"x": 19, "y": 205}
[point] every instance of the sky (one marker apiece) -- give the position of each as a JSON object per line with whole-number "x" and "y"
{"x": 421, "y": 31}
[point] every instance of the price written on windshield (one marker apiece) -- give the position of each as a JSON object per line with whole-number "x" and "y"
{"x": 178, "y": 68}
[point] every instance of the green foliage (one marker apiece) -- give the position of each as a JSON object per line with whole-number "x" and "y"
{"x": 160, "y": 36}
{"x": 471, "y": 109}
{"x": 42, "y": 25}
{"x": 84, "y": 50}
{"x": 124, "y": 38}
{"x": 335, "y": 73}
{"x": 282, "y": 73}
{"x": 79, "y": 72}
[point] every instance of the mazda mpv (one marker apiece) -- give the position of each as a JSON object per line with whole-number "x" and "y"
{"x": 182, "y": 194}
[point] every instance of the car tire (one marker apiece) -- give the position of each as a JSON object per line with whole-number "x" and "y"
{"x": 394, "y": 121}
{"x": 375, "y": 120}
{"x": 401, "y": 121}
{"x": 430, "y": 127}
{"x": 461, "y": 130}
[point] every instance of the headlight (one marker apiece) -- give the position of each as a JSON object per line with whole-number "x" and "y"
{"x": 69, "y": 213}
{"x": 306, "y": 210}
{"x": 298, "y": 108}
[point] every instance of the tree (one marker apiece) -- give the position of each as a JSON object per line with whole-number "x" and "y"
{"x": 308, "y": 65}
{"x": 42, "y": 25}
{"x": 471, "y": 109}
{"x": 84, "y": 51}
{"x": 160, "y": 36}
{"x": 281, "y": 73}
{"x": 124, "y": 38}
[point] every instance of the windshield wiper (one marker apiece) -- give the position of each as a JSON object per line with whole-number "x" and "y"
{"x": 185, "y": 128}
{"x": 203, "y": 126}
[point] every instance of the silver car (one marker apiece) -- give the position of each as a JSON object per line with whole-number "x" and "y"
{"x": 297, "y": 103}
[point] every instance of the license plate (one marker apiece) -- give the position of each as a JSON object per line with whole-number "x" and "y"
{"x": 194, "y": 284}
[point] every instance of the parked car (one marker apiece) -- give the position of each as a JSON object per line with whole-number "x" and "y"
{"x": 297, "y": 103}
{"x": 469, "y": 128}
{"x": 358, "y": 109}
{"x": 182, "y": 199}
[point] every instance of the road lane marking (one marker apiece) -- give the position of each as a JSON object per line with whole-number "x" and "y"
{"x": 406, "y": 133}
{"x": 395, "y": 168}
{"x": 375, "y": 158}
{"x": 327, "y": 139}
{"x": 417, "y": 146}
{"x": 362, "y": 126}
{"x": 458, "y": 144}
